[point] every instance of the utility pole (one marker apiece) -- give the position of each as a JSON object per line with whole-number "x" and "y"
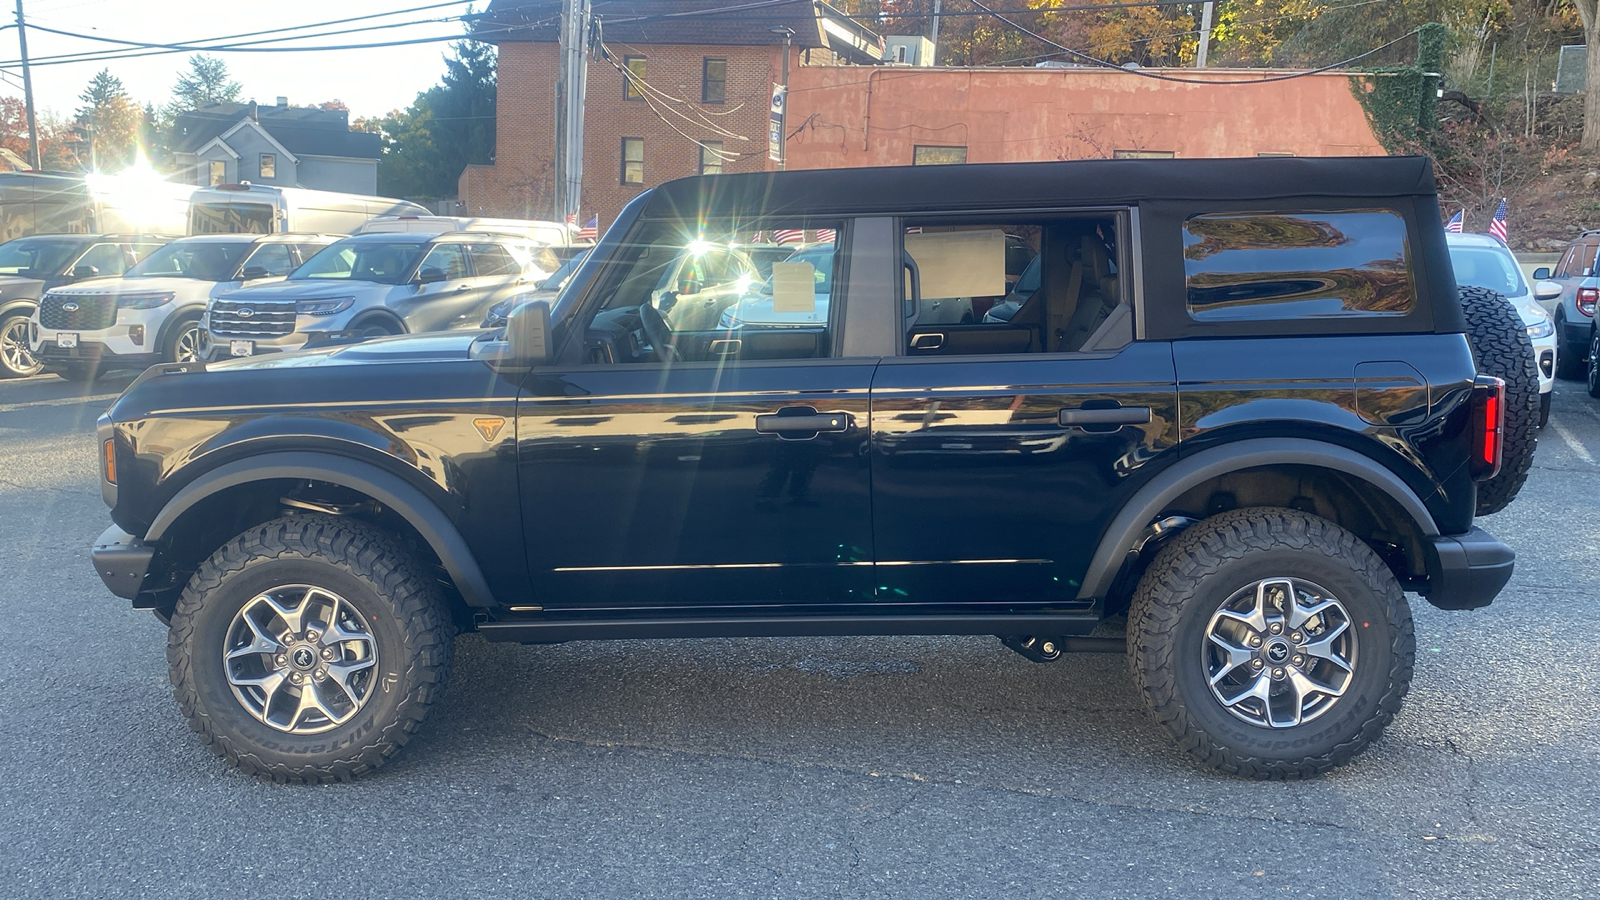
{"x": 933, "y": 35}
{"x": 27, "y": 90}
{"x": 1205, "y": 34}
{"x": 570, "y": 88}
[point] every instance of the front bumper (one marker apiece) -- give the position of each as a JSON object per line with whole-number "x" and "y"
{"x": 122, "y": 561}
{"x": 1467, "y": 571}
{"x": 49, "y": 353}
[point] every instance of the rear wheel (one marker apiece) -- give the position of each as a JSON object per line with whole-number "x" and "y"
{"x": 16, "y": 360}
{"x": 1501, "y": 347}
{"x": 308, "y": 649}
{"x": 1594, "y": 362}
{"x": 1270, "y": 643}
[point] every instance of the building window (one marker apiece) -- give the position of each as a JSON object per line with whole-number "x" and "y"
{"x": 938, "y": 156}
{"x": 269, "y": 165}
{"x": 631, "y": 81}
{"x": 219, "y": 172}
{"x": 710, "y": 157}
{"x": 1274, "y": 153}
{"x": 633, "y": 160}
{"x": 714, "y": 81}
{"x": 1142, "y": 154}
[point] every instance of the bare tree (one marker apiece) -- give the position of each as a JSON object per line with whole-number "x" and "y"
{"x": 1591, "y": 95}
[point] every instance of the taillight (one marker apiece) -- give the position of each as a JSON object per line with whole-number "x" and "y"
{"x": 1587, "y": 297}
{"x": 108, "y": 462}
{"x": 1488, "y": 426}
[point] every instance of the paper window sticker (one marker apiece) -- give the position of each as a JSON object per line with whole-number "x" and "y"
{"x": 794, "y": 287}
{"x": 968, "y": 263}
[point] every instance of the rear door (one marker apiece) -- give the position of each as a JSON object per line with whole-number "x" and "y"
{"x": 1002, "y": 448}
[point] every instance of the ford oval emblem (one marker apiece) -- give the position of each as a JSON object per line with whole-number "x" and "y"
{"x": 69, "y": 307}
{"x": 244, "y": 312}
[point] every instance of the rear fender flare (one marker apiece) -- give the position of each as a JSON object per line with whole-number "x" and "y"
{"x": 385, "y": 487}
{"x": 1171, "y": 483}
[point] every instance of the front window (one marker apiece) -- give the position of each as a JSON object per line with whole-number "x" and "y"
{"x": 269, "y": 165}
{"x": 380, "y": 262}
{"x": 633, "y": 78}
{"x": 204, "y": 260}
{"x": 231, "y": 218}
{"x": 1486, "y": 267}
{"x": 714, "y": 81}
{"x": 35, "y": 257}
{"x": 218, "y": 172}
{"x": 103, "y": 259}
{"x": 633, "y": 160}
{"x": 711, "y": 158}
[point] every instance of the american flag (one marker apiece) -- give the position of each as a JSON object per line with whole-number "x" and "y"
{"x": 591, "y": 229}
{"x": 1456, "y": 221}
{"x": 788, "y": 235}
{"x": 915, "y": 229}
{"x": 1497, "y": 225}
{"x": 827, "y": 235}
{"x": 572, "y": 218}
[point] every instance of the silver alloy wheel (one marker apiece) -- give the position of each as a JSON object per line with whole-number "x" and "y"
{"x": 300, "y": 659}
{"x": 187, "y": 347}
{"x": 14, "y": 352}
{"x": 1279, "y": 652}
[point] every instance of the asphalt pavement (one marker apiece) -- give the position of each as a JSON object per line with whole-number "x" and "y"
{"x": 858, "y": 767}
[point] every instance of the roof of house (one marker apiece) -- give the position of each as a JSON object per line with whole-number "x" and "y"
{"x": 752, "y": 23}
{"x": 301, "y": 130}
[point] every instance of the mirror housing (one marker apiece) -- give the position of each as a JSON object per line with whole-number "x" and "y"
{"x": 1541, "y": 273}
{"x": 251, "y": 273}
{"x": 84, "y": 270}
{"x": 1545, "y": 290}
{"x": 430, "y": 275}
{"x": 526, "y": 343}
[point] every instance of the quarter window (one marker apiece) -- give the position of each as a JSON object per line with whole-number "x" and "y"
{"x": 269, "y": 165}
{"x": 1268, "y": 266}
{"x": 711, "y": 158}
{"x": 633, "y": 78}
{"x": 714, "y": 81}
{"x": 633, "y": 160}
{"x": 492, "y": 259}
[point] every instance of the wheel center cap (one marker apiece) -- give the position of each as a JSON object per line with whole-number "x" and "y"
{"x": 1277, "y": 652}
{"x": 303, "y": 658}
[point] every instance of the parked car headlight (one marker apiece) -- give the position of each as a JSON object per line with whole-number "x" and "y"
{"x": 1542, "y": 328}
{"x": 148, "y": 300}
{"x": 323, "y": 307}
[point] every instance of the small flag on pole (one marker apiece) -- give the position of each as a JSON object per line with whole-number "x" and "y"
{"x": 591, "y": 229}
{"x": 1497, "y": 225}
{"x": 1456, "y": 221}
{"x": 572, "y": 218}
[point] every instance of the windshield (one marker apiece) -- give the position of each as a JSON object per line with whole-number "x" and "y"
{"x": 382, "y": 262}
{"x": 230, "y": 218}
{"x": 558, "y": 279}
{"x": 36, "y": 256}
{"x": 1486, "y": 267}
{"x": 205, "y": 260}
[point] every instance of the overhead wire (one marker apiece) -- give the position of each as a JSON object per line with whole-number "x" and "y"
{"x": 723, "y": 155}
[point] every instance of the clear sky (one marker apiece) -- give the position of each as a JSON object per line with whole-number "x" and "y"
{"x": 369, "y": 81}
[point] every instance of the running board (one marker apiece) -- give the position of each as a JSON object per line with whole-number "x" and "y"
{"x": 554, "y": 631}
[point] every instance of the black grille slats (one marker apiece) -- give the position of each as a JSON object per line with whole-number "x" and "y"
{"x": 92, "y": 312}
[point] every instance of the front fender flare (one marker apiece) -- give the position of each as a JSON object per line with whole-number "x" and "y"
{"x": 385, "y": 487}
{"x": 1150, "y": 501}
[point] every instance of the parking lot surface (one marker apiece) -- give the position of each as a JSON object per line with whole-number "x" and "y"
{"x": 851, "y": 767}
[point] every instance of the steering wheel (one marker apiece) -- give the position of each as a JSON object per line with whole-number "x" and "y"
{"x": 655, "y": 328}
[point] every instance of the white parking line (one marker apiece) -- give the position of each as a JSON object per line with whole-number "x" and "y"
{"x": 58, "y": 401}
{"x": 1572, "y": 442}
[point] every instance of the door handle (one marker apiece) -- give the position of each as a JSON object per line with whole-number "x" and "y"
{"x": 806, "y": 421}
{"x": 1116, "y": 415}
{"x": 460, "y": 288}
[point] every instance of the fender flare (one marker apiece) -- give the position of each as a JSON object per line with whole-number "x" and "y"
{"x": 375, "y": 314}
{"x": 385, "y": 487}
{"x": 7, "y": 307}
{"x": 191, "y": 311}
{"x": 1147, "y": 504}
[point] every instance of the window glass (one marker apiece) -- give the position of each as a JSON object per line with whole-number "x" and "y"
{"x": 710, "y": 157}
{"x": 1564, "y": 268}
{"x": 633, "y": 160}
{"x": 140, "y": 251}
{"x": 382, "y": 262}
{"x": 269, "y": 165}
{"x": 218, "y": 172}
{"x": 1142, "y": 154}
{"x": 307, "y": 251}
{"x": 451, "y": 259}
{"x": 493, "y": 260}
{"x": 230, "y": 218}
{"x": 714, "y": 81}
{"x": 633, "y": 78}
{"x": 694, "y": 293}
{"x": 40, "y": 257}
{"x": 1267, "y": 266}
{"x": 1015, "y": 287}
{"x": 938, "y": 156}
{"x": 110, "y": 259}
{"x": 275, "y": 258}
{"x": 1487, "y": 267}
{"x": 206, "y": 260}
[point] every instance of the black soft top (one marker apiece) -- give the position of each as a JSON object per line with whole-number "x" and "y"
{"x": 1090, "y": 182}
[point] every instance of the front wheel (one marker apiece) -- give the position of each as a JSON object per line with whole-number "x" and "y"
{"x": 1270, "y": 643}
{"x": 16, "y": 360}
{"x": 308, "y": 649}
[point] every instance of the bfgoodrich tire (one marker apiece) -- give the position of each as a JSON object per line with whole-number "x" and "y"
{"x": 308, "y": 649}
{"x": 1270, "y": 643}
{"x": 1501, "y": 348}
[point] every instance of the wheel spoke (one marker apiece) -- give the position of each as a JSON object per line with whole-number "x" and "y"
{"x": 341, "y": 673}
{"x": 1322, "y": 647}
{"x": 1300, "y": 615}
{"x": 310, "y": 702}
{"x": 260, "y": 643}
{"x": 268, "y": 684}
{"x": 1259, "y": 689}
{"x": 1237, "y": 656}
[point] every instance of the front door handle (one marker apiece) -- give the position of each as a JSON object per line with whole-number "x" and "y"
{"x": 803, "y": 421}
{"x": 462, "y": 288}
{"x": 1116, "y": 415}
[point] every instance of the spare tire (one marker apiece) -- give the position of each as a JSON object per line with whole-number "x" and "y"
{"x": 1501, "y": 348}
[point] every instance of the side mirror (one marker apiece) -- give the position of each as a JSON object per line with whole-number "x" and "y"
{"x": 430, "y": 275}
{"x": 84, "y": 270}
{"x": 526, "y": 343}
{"x": 1541, "y": 273}
{"x": 251, "y": 273}
{"x": 1545, "y": 290}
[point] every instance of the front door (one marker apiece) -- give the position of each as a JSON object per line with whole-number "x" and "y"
{"x": 709, "y": 468}
{"x": 437, "y": 305}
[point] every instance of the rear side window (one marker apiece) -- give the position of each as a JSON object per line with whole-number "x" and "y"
{"x": 1277, "y": 266}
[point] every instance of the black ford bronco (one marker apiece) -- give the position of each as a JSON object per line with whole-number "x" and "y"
{"x": 1233, "y": 400}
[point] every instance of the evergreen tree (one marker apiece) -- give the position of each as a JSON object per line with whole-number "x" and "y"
{"x": 110, "y": 122}
{"x": 205, "y": 82}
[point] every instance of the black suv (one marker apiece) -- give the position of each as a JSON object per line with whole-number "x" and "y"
{"x": 1238, "y": 406}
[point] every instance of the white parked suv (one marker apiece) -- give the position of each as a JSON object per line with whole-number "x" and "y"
{"x": 1482, "y": 261}
{"x": 151, "y": 314}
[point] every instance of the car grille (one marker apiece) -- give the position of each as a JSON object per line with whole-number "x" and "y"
{"x": 251, "y": 318}
{"x": 91, "y": 312}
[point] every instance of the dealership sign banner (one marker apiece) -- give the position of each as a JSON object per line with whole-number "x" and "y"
{"x": 775, "y": 125}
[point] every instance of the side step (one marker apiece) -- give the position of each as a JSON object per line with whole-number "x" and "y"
{"x": 554, "y": 631}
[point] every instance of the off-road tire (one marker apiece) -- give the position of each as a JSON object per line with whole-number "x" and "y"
{"x": 1501, "y": 347}
{"x": 16, "y": 361}
{"x": 77, "y": 372}
{"x": 1198, "y": 571}
{"x": 396, "y": 599}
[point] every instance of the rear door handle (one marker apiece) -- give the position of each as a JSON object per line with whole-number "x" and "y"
{"x": 1117, "y": 415}
{"x": 806, "y": 422}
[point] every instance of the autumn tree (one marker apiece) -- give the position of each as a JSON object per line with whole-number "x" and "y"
{"x": 110, "y": 122}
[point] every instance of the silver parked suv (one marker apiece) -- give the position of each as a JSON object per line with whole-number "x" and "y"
{"x": 376, "y": 284}
{"x": 1578, "y": 273}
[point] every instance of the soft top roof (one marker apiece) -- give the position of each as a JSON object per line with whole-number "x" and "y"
{"x": 912, "y": 189}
